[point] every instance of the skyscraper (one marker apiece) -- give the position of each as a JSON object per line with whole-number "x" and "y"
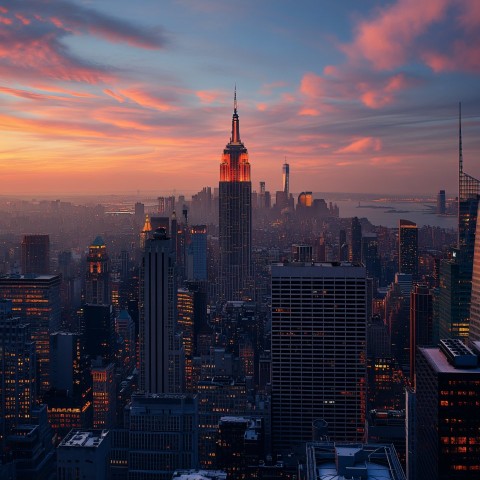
{"x": 17, "y": 370}
{"x": 197, "y": 253}
{"x": 447, "y": 393}
{"x": 356, "y": 241}
{"x": 286, "y": 179}
{"x": 468, "y": 195}
{"x": 421, "y": 322}
{"x": 318, "y": 351}
{"x": 235, "y": 219}
{"x": 408, "y": 247}
{"x": 456, "y": 273}
{"x": 36, "y": 254}
{"x": 161, "y": 366}
{"x": 98, "y": 274}
{"x": 36, "y": 299}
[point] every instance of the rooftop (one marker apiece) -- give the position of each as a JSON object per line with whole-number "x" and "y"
{"x": 339, "y": 461}
{"x": 437, "y": 359}
{"x": 199, "y": 475}
{"x": 84, "y": 438}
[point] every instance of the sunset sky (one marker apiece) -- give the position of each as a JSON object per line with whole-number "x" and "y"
{"x": 116, "y": 96}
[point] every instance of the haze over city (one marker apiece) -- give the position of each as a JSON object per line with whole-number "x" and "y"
{"x": 119, "y": 97}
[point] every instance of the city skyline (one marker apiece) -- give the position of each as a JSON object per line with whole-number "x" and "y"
{"x": 119, "y": 98}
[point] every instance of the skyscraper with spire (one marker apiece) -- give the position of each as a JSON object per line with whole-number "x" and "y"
{"x": 456, "y": 274}
{"x": 235, "y": 219}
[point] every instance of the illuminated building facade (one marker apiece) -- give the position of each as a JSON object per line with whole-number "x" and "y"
{"x": 286, "y": 179}
{"x": 17, "y": 370}
{"x": 36, "y": 254}
{"x": 355, "y": 241}
{"x": 97, "y": 286}
{"x": 185, "y": 307}
{"x": 217, "y": 397}
{"x": 104, "y": 396}
{"x": 448, "y": 424}
{"x": 318, "y": 351}
{"x": 125, "y": 330}
{"x": 235, "y": 217}
{"x": 408, "y": 247}
{"x": 36, "y": 300}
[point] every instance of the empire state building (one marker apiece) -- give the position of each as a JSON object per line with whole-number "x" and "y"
{"x": 235, "y": 222}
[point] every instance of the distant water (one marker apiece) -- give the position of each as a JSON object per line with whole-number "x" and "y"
{"x": 388, "y": 213}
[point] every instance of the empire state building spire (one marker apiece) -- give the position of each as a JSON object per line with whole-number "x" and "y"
{"x": 235, "y": 220}
{"x": 235, "y": 138}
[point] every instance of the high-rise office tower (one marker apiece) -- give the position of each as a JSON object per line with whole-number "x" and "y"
{"x": 421, "y": 322}
{"x": 17, "y": 370}
{"x": 36, "y": 300}
{"x": 104, "y": 396}
{"x": 468, "y": 196}
{"x": 447, "y": 393}
{"x": 318, "y": 351}
{"x": 441, "y": 203}
{"x": 286, "y": 179}
{"x": 235, "y": 217}
{"x": 197, "y": 253}
{"x": 474, "y": 330}
{"x": 99, "y": 332}
{"x": 162, "y": 432}
{"x": 342, "y": 246}
{"x": 36, "y": 254}
{"x": 186, "y": 319}
{"x": 139, "y": 214}
{"x": 370, "y": 257}
{"x": 397, "y": 315}
{"x": 69, "y": 366}
{"x": 456, "y": 273}
{"x": 408, "y": 247}
{"x": 161, "y": 365}
{"x": 356, "y": 241}
{"x": 97, "y": 285}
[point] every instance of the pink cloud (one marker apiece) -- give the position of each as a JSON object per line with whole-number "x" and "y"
{"x": 22, "y": 18}
{"x": 269, "y": 88}
{"x": 386, "y": 40}
{"x": 114, "y": 95}
{"x": 312, "y": 85}
{"x": 362, "y": 145}
{"x": 209, "y": 96}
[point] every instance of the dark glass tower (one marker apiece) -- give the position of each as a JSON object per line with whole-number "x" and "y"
{"x": 408, "y": 247}
{"x": 36, "y": 254}
{"x": 235, "y": 222}
{"x": 356, "y": 241}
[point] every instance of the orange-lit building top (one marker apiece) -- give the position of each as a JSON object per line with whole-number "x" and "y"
{"x": 235, "y": 166}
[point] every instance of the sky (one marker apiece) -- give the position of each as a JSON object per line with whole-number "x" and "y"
{"x": 115, "y": 96}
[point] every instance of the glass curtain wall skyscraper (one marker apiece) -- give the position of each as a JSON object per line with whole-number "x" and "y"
{"x": 235, "y": 219}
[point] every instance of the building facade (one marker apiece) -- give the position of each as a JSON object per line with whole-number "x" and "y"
{"x": 318, "y": 351}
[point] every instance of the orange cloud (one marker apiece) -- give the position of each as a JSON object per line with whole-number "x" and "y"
{"x": 147, "y": 100}
{"x": 362, "y": 145}
{"x": 114, "y": 95}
